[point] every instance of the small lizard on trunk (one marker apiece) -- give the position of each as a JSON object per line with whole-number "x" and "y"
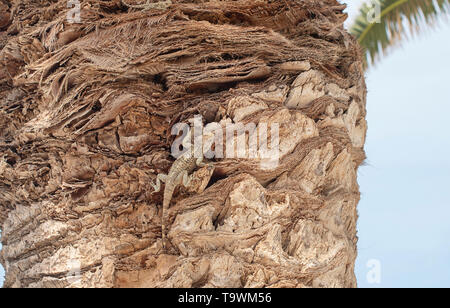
{"x": 179, "y": 173}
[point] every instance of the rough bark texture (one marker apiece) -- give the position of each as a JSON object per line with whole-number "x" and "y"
{"x": 86, "y": 112}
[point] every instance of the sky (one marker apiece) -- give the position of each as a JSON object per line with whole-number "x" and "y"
{"x": 403, "y": 227}
{"x": 405, "y": 197}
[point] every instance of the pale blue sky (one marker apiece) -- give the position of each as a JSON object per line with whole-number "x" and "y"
{"x": 405, "y": 205}
{"x": 404, "y": 209}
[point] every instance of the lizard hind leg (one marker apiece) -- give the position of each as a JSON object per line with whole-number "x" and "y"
{"x": 185, "y": 179}
{"x": 160, "y": 178}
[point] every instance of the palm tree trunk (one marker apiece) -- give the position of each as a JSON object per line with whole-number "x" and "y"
{"x": 86, "y": 112}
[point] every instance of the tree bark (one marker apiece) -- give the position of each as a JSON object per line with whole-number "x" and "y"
{"x": 86, "y": 111}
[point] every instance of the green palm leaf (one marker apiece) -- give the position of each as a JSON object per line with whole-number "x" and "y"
{"x": 396, "y": 16}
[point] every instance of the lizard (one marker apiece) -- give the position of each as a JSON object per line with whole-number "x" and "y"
{"x": 179, "y": 173}
{"x": 161, "y": 5}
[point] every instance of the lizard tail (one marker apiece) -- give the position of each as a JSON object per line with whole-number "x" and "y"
{"x": 164, "y": 230}
{"x": 165, "y": 215}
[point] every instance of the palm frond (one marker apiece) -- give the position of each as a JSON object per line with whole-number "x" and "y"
{"x": 395, "y": 17}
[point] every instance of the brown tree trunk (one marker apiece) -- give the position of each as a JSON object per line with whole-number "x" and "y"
{"x": 86, "y": 111}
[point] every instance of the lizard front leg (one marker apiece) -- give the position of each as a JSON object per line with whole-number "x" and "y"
{"x": 159, "y": 178}
{"x": 185, "y": 179}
